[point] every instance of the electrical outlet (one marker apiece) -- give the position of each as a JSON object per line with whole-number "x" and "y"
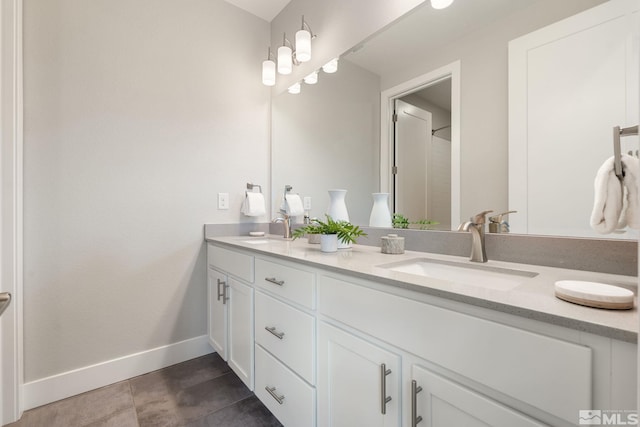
{"x": 223, "y": 200}
{"x": 306, "y": 202}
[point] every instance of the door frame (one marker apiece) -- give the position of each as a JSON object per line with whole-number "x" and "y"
{"x": 11, "y": 213}
{"x": 387, "y": 98}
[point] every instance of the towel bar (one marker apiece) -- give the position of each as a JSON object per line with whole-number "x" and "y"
{"x": 617, "y": 155}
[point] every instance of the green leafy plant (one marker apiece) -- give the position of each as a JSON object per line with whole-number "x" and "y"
{"x": 346, "y": 231}
{"x": 401, "y": 221}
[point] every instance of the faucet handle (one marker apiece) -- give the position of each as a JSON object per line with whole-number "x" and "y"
{"x": 480, "y": 218}
{"x": 498, "y": 218}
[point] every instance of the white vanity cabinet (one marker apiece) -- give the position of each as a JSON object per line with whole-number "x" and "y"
{"x": 230, "y": 309}
{"x": 285, "y": 341}
{"x": 359, "y": 383}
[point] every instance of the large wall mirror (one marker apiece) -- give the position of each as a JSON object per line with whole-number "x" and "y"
{"x": 329, "y": 135}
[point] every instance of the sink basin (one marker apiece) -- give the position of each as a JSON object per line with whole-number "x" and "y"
{"x": 468, "y": 274}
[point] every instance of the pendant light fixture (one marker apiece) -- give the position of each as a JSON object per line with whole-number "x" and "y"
{"x": 303, "y": 42}
{"x": 269, "y": 70}
{"x": 285, "y": 58}
{"x": 289, "y": 55}
{"x": 441, "y": 4}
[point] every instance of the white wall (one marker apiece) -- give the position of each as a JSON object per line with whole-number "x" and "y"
{"x": 137, "y": 112}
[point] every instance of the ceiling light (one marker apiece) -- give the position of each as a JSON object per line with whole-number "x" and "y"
{"x": 441, "y": 4}
{"x": 312, "y": 78}
{"x": 294, "y": 89}
{"x": 331, "y": 66}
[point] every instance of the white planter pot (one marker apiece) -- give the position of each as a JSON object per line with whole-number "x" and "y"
{"x": 329, "y": 242}
{"x": 314, "y": 238}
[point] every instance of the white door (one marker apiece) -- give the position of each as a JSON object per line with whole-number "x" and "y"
{"x": 412, "y": 156}
{"x": 444, "y": 403}
{"x": 240, "y": 344}
{"x": 11, "y": 348}
{"x": 358, "y": 382}
{"x": 217, "y": 311}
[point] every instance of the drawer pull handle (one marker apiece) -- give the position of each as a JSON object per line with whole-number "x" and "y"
{"x": 272, "y": 392}
{"x": 384, "y": 399}
{"x": 222, "y": 284}
{"x": 274, "y": 281}
{"x": 415, "y": 389}
{"x": 272, "y": 330}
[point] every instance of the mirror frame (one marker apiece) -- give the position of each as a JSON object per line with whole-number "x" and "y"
{"x": 387, "y": 98}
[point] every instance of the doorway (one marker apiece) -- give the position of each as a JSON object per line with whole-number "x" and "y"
{"x": 423, "y": 178}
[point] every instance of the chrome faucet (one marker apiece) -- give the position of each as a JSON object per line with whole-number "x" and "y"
{"x": 285, "y": 219}
{"x": 475, "y": 225}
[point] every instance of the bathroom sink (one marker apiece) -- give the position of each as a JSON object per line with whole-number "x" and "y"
{"x": 469, "y": 274}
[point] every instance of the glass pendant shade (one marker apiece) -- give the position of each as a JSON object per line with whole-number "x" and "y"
{"x": 331, "y": 66}
{"x": 440, "y": 4}
{"x": 294, "y": 89}
{"x": 303, "y": 46}
{"x": 285, "y": 62}
{"x": 312, "y": 78}
{"x": 268, "y": 73}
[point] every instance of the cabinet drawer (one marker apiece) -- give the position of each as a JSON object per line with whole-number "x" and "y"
{"x": 234, "y": 263}
{"x": 292, "y": 334}
{"x": 516, "y": 362}
{"x": 296, "y": 405}
{"x": 288, "y": 282}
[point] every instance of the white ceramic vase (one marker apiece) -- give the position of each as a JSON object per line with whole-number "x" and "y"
{"x": 337, "y": 207}
{"x": 380, "y": 214}
{"x": 338, "y": 211}
{"x": 329, "y": 242}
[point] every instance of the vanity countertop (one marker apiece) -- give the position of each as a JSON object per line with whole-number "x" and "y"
{"x": 534, "y": 298}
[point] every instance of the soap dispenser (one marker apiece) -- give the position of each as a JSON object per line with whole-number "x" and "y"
{"x": 497, "y": 224}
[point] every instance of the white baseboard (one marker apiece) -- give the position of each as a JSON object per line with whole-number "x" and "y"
{"x": 61, "y": 386}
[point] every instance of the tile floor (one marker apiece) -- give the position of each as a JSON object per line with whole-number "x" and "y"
{"x": 202, "y": 392}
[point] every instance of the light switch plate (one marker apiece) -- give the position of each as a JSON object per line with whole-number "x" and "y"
{"x": 306, "y": 202}
{"x": 223, "y": 200}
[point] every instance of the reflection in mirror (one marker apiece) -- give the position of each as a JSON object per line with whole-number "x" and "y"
{"x": 322, "y": 122}
{"x": 422, "y": 154}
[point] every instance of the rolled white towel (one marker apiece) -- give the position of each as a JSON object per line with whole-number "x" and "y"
{"x": 631, "y": 167}
{"x": 253, "y": 204}
{"x": 294, "y": 205}
{"x": 608, "y": 200}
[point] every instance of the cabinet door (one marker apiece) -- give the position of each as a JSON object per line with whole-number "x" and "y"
{"x": 358, "y": 382}
{"x": 217, "y": 311}
{"x": 444, "y": 403}
{"x": 240, "y": 343}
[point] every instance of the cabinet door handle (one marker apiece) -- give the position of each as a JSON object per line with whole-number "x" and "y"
{"x": 272, "y": 392}
{"x": 384, "y": 399}
{"x": 274, "y": 281}
{"x": 415, "y": 389}
{"x": 223, "y": 294}
{"x": 272, "y": 330}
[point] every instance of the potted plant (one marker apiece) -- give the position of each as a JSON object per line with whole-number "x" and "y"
{"x": 331, "y": 231}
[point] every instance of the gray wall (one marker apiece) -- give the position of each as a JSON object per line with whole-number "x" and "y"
{"x": 136, "y": 114}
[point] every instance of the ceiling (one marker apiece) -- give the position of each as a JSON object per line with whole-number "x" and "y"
{"x": 265, "y": 9}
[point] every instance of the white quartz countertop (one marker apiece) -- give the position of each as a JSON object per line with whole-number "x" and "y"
{"x": 533, "y": 298}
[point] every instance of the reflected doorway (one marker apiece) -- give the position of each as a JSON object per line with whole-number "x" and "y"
{"x": 422, "y": 156}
